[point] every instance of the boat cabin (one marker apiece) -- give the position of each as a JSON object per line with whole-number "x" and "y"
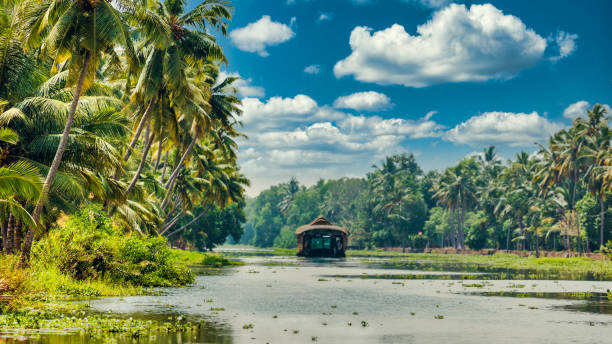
{"x": 321, "y": 238}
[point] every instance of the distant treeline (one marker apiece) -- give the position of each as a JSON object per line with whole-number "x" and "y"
{"x": 557, "y": 199}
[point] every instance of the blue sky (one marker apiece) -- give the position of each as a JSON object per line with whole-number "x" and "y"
{"x": 332, "y": 86}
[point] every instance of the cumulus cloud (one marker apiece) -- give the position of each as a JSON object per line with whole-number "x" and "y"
{"x": 312, "y": 69}
{"x": 566, "y": 43}
{"x": 375, "y": 125}
{"x": 277, "y": 110}
{"x": 311, "y": 141}
{"x": 457, "y": 45}
{"x": 364, "y": 101}
{"x": 255, "y": 37}
{"x": 325, "y": 17}
{"x": 243, "y": 86}
{"x": 580, "y": 108}
{"x": 430, "y": 3}
{"x": 513, "y": 129}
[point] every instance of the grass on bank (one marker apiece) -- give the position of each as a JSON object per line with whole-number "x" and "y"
{"x": 202, "y": 259}
{"x": 573, "y": 268}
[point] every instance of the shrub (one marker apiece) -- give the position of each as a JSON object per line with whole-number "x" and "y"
{"x": 88, "y": 247}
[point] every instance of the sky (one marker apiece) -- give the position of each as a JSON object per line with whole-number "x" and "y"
{"x": 331, "y": 87}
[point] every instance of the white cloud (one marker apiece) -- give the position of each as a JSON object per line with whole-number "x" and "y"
{"x": 456, "y": 45}
{"x": 243, "y": 86}
{"x": 311, "y": 141}
{"x": 255, "y": 37}
{"x": 312, "y": 69}
{"x": 577, "y": 109}
{"x": 375, "y": 125}
{"x": 325, "y": 17}
{"x": 506, "y": 128}
{"x": 364, "y": 101}
{"x": 580, "y": 108}
{"x": 277, "y": 110}
{"x": 430, "y": 3}
{"x": 566, "y": 43}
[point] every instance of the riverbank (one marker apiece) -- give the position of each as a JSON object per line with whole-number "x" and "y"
{"x": 40, "y": 299}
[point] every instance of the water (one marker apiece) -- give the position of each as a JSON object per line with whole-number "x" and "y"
{"x": 290, "y": 300}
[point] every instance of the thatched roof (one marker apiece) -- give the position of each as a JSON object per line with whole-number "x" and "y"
{"x": 320, "y": 223}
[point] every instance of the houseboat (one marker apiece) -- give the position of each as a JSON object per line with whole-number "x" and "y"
{"x": 321, "y": 238}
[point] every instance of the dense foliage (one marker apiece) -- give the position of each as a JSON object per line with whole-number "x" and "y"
{"x": 121, "y": 103}
{"x": 89, "y": 247}
{"x": 558, "y": 198}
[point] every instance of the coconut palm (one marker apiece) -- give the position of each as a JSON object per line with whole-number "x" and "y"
{"x": 20, "y": 182}
{"x": 594, "y": 153}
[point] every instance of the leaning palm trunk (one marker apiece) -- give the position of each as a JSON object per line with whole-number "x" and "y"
{"x": 172, "y": 222}
{"x": 27, "y": 245}
{"x": 190, "y": 222}
{"x": 143, "y": 160}
{"x": 159, "y": 151}
{"x": 141, "y": 125}
{"x": 175, "y": 173}
{"x": 163, "y": 174}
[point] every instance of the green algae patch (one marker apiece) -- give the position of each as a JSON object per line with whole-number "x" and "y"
{"x": 34, "y": 321}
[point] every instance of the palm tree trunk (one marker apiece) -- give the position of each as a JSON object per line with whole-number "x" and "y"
{"x": 602, "y": 215}
{"x": 169, "y": 193}
{"x": 164, "y": 169}
{"x": 27, "y": 245}
{"x": 462, "y": 228}
{"x": 452, "y": 235}
{"x": 3, "y": 230}
{"x": 175, "y": 173}
{"x": 17, "y": 236}
{"x": 578, "y": 237}
{"x": 9, "y": 234}
{"x": 190, "y": 222}
{"x": 141, "y": 124}
{"x": 143, "y": 160}
{"x": 537, "y": 248}
{"x": 508, "y": 239}
{"x": 172, "y": 222}
{"x": 159, "y": 152}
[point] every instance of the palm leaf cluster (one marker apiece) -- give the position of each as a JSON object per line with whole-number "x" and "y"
{"x": 116, "y": 102}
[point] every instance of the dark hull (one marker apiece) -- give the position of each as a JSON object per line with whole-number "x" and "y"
{"x": 322, "y": 253}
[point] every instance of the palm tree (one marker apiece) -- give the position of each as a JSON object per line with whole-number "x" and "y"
{"x": 20, "y": 182}
{"x": 76, "y": 32}
{"x": 593, "y": 153}
{"x": 289, "y": 190}
{"x": 20, "y": 72}
{"x": 173, "y": 48}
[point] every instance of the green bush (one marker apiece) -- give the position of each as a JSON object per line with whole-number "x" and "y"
{"x": 607, "y": 249}
{"x": 88, "y": 247}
